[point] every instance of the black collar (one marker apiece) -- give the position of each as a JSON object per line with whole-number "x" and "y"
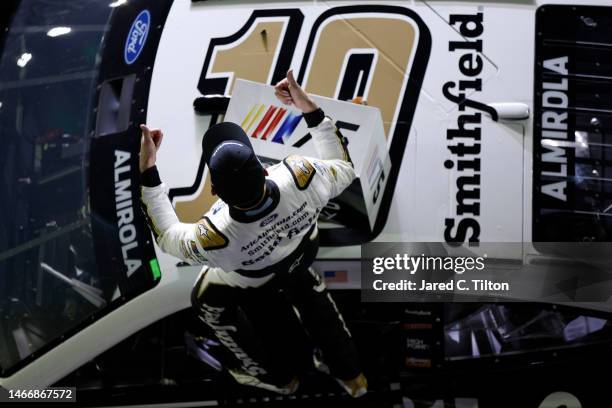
{"x": 268, "y": 204}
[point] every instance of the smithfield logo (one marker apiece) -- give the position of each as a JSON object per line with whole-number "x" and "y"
{"x": 268, "y": 220}
{"x": 136, "y": 37}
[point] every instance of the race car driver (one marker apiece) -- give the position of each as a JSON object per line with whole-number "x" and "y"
{"x": 259, "y": 239}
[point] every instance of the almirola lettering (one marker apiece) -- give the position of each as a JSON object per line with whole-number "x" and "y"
{"x": 124, "y": 204}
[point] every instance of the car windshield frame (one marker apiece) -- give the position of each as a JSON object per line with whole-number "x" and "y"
{"x": 62, "y": 265}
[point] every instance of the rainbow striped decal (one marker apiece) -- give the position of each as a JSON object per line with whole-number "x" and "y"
{"x": 262, "y": 122}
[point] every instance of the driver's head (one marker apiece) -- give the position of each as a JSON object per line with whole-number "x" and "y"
{"x": 236, "y": 174}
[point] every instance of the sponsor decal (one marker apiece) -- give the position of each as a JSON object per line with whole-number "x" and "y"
{"x": 209, "y": 236}
{"x": 413, "y": 362}
{"x": 417, "y": 344}
{"x": 212, "y": 316}
{"x": 193, "y": 249}
{"x": 464, "y": 141}
{"x": 190, "y": 250}
{"x": 301, "y": 170}
{"x": 268, "y": 220}
{"x": 137, "y": 36}
{"x": 417, "y": 312}
{"x": 269, "y": 238}
{"x": 218, "y": 206}
{"x": 124, "y": 205}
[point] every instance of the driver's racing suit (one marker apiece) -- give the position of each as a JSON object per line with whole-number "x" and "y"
{"x": 257, "y": 254}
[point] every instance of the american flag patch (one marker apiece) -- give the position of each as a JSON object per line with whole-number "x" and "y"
{"x": 336, "y": 276}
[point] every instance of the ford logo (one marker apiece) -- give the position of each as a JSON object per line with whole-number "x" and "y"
{"x": 268, "y": 220}
{"x": 136, "y": 37}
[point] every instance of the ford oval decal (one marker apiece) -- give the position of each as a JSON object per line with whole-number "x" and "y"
{"x": 136, "y": 37}
{"x": 268, "y": 220}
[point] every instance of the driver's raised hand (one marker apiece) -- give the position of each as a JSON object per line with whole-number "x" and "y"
{"x": 289, "y": 92}
{"x": 150, "y": 141}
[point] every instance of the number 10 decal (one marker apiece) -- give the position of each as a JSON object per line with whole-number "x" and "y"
{"x": 260, "y": 51}
{"x": 378, "y": 53}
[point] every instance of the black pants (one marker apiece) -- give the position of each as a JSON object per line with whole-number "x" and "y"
{"x": 255, "y": 324}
